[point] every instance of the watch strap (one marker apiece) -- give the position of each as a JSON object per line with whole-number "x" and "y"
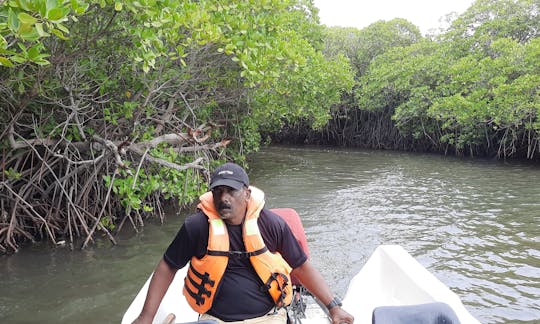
{"x": 333, "y": 303}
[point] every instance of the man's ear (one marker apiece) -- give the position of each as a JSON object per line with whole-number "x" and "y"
{"x": 248, "y": 193}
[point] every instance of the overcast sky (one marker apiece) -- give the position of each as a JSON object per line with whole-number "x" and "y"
{"x": 360, "y": 13}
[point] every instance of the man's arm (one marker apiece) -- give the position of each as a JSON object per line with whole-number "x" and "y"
{"x": 160, "y": 282}
{"x": 313, "y": 281}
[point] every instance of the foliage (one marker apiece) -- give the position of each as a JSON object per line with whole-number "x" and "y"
{"x": 478, "y": 94}
{"x": 472, "y": 89}
{"x": 113, "y": 108}
{"x": 382, "y": 36}
{"x": 360, "y": 47}
{"x": 488, "y": 20}
{"x": 25, "y": 23}
{"x": 497, "y": 94}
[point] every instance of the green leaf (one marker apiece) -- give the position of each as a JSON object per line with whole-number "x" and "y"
{"x": 147, "y": 208}
{"x": 25, "y": 28}
{"x": 118, "y": 6}
{"x": 33, "y": 52}
{"x": 62, "y": 28}
{"x": 22, "y": 47}
{"x": 57, "y": 14}
{"x": 74, "y": 4}
{"x": 41, "y": 62}
{"x": 3, "y": 42}
{"x": 82, "y": 8}
{"x": 59, "y": 34}
{"x": 13, "y": 21}
{"x": 40, "y": 31}
{"x": 23, "y": 4}
{"x": 51, "y": 4}
{"x": 30, "y": 35}
{"x": 6, "y": 62}
{"x": 18, "y": 59}
{"x": 27, "y": 19}
{"x": 42, "y": 8}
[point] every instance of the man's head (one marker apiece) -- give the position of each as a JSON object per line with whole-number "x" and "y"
{"x": 230, "y": 189}
{"x": 231, "y": 175}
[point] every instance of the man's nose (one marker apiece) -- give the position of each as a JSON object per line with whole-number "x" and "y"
{"x": 226, "y": 196}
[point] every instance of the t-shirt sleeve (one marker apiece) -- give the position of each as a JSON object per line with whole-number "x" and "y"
{"x": 191, "y": 240}
{"x": 278, "y": 236}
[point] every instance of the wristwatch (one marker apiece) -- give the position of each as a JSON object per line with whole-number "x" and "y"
{"x": 333, "y": 303}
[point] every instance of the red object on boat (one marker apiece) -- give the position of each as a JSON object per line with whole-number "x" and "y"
{"x": 295, "y": 223}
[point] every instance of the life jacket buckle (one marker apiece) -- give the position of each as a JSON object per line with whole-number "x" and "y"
{"x": 239, "y": 254}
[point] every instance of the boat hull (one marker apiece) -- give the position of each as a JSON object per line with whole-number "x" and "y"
{"x": 391, "y": 277}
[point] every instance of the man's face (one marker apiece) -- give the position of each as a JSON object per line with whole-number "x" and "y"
{"x": 230, "y": 203}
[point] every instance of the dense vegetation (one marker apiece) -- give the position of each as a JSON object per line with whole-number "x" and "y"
{"x": 472, "y": 88}
{"x": 111, "y": 108}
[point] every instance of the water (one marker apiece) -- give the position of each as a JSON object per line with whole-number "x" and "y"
{"x": 474, "y": 224}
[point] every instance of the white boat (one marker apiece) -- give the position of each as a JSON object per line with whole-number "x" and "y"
{"x": 390, "y": 277}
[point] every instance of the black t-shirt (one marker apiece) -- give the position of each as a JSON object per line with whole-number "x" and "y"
{"x": 239, "y": 296}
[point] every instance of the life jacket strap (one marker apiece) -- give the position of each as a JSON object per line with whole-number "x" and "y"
{"x": 201, "y": 287}
{"x": 237, "y": 254}
{"x": 282, "y": 282}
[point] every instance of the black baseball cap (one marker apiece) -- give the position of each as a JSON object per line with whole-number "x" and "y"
{"x": 231, "y": 175}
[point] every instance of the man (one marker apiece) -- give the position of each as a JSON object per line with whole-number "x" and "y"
{"x": 234, "y": 271}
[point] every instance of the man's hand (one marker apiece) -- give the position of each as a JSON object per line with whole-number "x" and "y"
{"x": 339, "y": 315}
{"x": 142, "y": 320}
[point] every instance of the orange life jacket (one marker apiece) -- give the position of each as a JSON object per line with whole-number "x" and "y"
{"x": 204, "y": 275}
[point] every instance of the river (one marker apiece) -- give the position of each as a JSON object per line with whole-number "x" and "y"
{"x": 472, "y": 223}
